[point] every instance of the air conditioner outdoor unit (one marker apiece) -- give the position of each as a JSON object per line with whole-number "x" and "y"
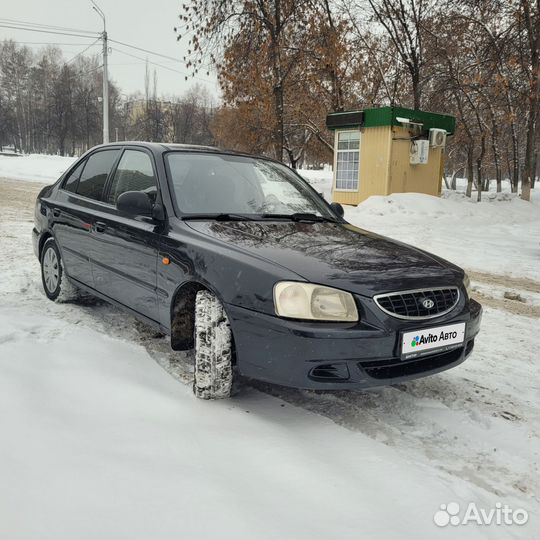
{"x": 419, "y": 152}
{"x": 437, "y": 138}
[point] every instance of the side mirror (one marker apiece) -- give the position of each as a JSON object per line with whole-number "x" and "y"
{"x": 135, "y": 203}
{"x": 337, "y": 208}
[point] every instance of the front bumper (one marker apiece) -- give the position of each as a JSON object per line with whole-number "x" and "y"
{"x": 338, "y": 356}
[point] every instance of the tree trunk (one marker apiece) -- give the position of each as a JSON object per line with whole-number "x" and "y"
{"x": 479, "y": 179}
{"x": 454, "y": 180}
{"x": 495, "y": 149}
{"x": 290, "y": 154}
{"x": 337, "y": 91}
{"x": 446, "y": 183}
{"x": 529, "y": 170}
{"x": 470, "y": 171}
{"x": 416, "y": 90}
{"x": 278, "y": 134}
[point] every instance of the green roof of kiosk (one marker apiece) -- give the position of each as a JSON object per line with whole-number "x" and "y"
{"x": 387, "y": 116}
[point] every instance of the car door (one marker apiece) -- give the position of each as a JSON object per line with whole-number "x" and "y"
{"x": 73, "y": 212}
{"x": 125, "y": 264}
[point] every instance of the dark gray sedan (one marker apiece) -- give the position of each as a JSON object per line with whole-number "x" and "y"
{"x": 239, "y": 258}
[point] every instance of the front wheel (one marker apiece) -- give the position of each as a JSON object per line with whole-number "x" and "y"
{"x": 56, "y": 285}
{"x": 213, "y": 349}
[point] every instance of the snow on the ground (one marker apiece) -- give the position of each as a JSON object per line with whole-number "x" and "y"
{"x": 100, "y": 442}
{"x": 34, "y": 167}
{"x": 488, "y": 236}
{"x": 500, "y": 234}
{"x": 97, "y": 441}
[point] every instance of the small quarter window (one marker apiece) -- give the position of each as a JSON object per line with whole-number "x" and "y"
{"x": 134, "y": 173}
{"x": 347, "y": 159}
{"x": 70, "y": 183}
{"x": 94, "y": 176}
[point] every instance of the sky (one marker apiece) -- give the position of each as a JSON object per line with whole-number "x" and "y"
{"x": 148, "y": 25}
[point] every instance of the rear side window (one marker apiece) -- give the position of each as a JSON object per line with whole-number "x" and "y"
{"x": 134, "y": 173}
{"x": 70, "y": 183}
{"x": 94, "y": 176}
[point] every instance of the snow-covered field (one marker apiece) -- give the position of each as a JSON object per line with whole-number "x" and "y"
{"x": 505, "y": 228}
{"x": 34, "y": 167}
{"x": 98, "y": 441}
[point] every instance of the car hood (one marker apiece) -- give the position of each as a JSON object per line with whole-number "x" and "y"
{"x": 336, "y": 254}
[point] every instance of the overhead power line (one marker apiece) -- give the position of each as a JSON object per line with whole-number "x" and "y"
{"x": 49, "y": 43}
{"x": 74, "y": 32}
{"x": 45, "y": 26}
{"x": 37, "y": 27}
{"x": 83, "y": 73}
{"x": 145, "y": 50}
{"x": 58, "y": 33}
{"x": 145, "y": 60}
{"x": 82, "y": 52}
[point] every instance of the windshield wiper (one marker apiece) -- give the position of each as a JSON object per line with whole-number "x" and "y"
{"x": 300, "y": 216}
{"x": 219, "y": 217}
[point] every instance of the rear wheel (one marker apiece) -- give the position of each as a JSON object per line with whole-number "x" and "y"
{"x": 213, "y": 349}
{"x": 56, "y": 284}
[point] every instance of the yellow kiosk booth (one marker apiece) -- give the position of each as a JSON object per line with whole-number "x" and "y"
{"x": 387, "y": 150}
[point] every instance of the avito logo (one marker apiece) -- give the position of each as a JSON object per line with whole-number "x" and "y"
{"x": 452, "y": 514}
{"x": 422, "y": 340}
{"x": 432, "y": 338}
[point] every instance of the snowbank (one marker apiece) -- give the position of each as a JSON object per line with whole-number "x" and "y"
{"x": 499, "y": 235}
{"x": 492, "y": 235}
{"x": 34, "y": 167}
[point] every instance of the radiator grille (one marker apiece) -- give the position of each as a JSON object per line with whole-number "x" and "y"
{"x": 419, "y": 304}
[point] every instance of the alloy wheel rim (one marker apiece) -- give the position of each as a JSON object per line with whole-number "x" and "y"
{"x": 51, "y": 270}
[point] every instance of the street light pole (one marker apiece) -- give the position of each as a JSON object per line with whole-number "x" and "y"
{"x": 98, "y": 10}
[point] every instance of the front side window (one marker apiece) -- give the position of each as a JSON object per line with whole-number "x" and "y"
{"x": 134, "y": 173}
{"x": 347, "y": 159}
{"x": 70, "y": 183}
{"x": 217, "y": 183}
{"x": 94, "y": 176}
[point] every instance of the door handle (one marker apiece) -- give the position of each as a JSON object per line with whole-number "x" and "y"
{"x": 100, "y": 227}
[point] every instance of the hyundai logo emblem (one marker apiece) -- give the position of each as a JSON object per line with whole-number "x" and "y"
{"x": 427, "y": 303}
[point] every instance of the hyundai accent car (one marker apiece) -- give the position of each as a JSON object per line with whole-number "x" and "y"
{"x": 238, "y": 258}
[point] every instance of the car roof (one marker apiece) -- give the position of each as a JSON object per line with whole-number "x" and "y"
{"x": 177, "y": 147}
{"x": 161, "y": 146}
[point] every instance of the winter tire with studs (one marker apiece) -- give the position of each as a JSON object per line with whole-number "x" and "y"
{"x": 213, "y": 349}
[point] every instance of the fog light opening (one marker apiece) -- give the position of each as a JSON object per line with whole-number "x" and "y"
{"x": 330, "y": 372}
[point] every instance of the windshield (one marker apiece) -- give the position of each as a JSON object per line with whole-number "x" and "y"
{"x": 219, "y": 184}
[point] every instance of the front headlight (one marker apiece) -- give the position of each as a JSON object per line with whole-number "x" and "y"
{"x": 315, "y": 302}
{"x": 467, "y": 285}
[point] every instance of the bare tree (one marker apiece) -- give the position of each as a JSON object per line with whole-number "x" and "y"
{"x": 403, "y": 21}
{"x": 529, "y": 20}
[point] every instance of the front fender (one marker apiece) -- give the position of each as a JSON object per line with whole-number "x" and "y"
{"x": 236, "y": 277}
